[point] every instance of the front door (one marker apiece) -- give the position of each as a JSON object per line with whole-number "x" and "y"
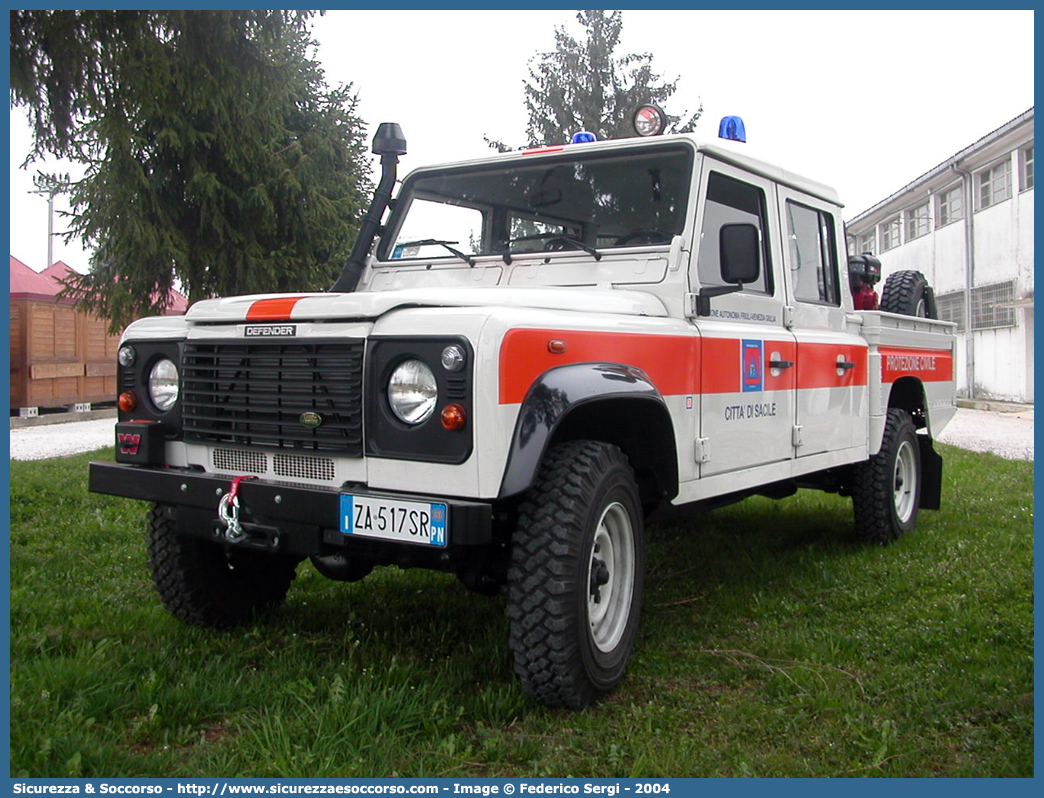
{"x": 746, "y": 354}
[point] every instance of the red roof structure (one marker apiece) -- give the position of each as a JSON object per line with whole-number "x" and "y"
{"x": 57, "y": 272}
{"x": 26, "y": 283}
{"x": 178, "y": 304}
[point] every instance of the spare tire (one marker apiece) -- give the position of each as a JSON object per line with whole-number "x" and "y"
{"x": 907, "y": 292}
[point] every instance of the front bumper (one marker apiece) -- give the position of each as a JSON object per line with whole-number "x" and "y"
{"x": 294, "y": 519}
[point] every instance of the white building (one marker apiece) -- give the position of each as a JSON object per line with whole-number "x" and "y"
{"x": 968, "y": 225}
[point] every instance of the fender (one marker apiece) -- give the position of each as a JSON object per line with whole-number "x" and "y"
{"x": 559, "y": 392}
{"x": 909, "y": 394}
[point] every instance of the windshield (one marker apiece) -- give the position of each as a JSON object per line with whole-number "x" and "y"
{"x": 577, "y": 201}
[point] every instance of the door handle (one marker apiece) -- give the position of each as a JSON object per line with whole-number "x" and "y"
{"x": 782, "y": 364}
{"x": 845, "y": 365}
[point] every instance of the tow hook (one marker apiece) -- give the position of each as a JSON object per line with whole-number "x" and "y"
{"x": 228, "y": 512}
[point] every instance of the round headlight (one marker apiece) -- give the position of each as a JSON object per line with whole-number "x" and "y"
{"x": 412, "y": 391}
{"x": 163, "y": 384}
{"x": 126, "y": 356}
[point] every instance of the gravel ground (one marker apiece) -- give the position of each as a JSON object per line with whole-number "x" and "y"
{"x": 1008, "y": 434}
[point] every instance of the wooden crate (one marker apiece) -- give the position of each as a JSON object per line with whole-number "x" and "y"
{"x": 59, "y": 356}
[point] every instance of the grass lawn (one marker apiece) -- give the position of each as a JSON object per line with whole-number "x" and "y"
{"x": 771, "y": 645}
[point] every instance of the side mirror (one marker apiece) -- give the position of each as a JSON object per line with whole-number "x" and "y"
{"x": 739, "y": 256}
{"x": 740, "y": 253}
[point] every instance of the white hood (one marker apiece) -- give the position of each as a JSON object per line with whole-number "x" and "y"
{"x": 366, "y": 305}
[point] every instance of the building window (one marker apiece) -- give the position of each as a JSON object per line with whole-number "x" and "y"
{"x": 994, "y": 184}
{"x": 867, "y": 242}
{"x": 951, "y": 308}
{"x": 1026, "y": 166}
{"x": 917, "y": 222}
{"x": 949, "y": 206}
{"x": 992, "y": 306}
{"x": 890, "y": 232}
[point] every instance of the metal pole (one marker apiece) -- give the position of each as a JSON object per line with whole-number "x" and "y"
{"x": 50, "y": 192}
{"x": 50, "y": 229}
{"x": 968, "y": 198}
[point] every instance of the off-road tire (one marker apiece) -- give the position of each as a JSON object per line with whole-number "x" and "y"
{"x": 569, "y": 649}
{"x": 886, "y": 489}
{"x": 907, "y": 292}
{"x": 206, "y": 584}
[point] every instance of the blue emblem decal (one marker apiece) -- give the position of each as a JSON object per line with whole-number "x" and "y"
{"x": 753, "y": 364}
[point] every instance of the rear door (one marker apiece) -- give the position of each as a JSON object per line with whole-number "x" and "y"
{"x": 831, "y": 363}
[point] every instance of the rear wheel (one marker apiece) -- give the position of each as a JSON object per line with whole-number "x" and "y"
{"x": 907, "y": 292}
{"x": 575, "y": 584}
{"x": 886, "y": 489}
{"x": 207, "y": 584}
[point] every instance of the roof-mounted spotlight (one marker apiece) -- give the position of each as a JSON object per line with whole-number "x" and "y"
{"x": 649, "y": 120}
{"x": 732, "y": 128}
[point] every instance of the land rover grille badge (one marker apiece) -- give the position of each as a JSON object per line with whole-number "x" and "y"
{"x": 310, "y": 419}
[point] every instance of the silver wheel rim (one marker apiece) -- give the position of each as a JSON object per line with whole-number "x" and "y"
{"x": 905, "y": 482}
{"x": 610, "y": 577}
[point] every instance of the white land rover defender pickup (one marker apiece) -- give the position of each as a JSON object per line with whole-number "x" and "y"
{"x": 526, "y": 355}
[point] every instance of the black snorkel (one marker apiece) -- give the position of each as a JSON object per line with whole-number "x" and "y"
{"x": 389, "y": 143}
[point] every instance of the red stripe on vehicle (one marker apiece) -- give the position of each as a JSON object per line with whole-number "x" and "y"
{"x": 928, "y": 365}
{"x": 670, "y": 361}
{"x": 678, "y": 365}
{"x": 272, "y": 309}
{"x": 541, "y": 150}
{"x": 820, "y": 365}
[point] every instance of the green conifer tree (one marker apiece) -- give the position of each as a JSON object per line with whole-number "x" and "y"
{"x": 216, "y": 157}
{"x": 584, "y": 85}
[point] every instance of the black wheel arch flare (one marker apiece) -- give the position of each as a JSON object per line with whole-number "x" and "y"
{"x": 608, "y": 402}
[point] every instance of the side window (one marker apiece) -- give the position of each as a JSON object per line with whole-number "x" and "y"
{"x": 730, "y": 201}
{"x": 813, "y": 258}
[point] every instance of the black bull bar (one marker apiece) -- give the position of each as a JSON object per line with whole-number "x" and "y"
{"x": 297, "y": 519}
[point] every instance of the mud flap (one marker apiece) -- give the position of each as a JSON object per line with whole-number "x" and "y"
{"x": 931, "y": 475}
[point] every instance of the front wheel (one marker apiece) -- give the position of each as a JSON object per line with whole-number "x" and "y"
{"x": 886, "y": 489}
{"x": 207, "y": 584}
{"x": 575, "y": 583}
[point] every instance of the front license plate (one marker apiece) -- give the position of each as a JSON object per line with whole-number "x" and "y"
{"x": 390, "y": 519}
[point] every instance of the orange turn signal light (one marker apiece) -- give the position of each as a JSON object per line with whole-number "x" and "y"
{"x": 127, "y": 401}
{"x": 453, "y": 417}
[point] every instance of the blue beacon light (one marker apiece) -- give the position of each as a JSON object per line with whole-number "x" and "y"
{"x": 732, "y": 129}
{"x": 584, "y": 137}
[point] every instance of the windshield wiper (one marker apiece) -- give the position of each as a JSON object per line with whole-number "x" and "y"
{"x": 431, "y": 242}
{"x": 576, "y": 242}
{"x": 573, "y": 242}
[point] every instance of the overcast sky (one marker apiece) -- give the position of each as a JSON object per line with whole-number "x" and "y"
{"x": 865, "y": 101}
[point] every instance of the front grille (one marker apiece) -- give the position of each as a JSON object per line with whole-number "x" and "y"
{"x": 303, "y": 467}
{"x": 255, "y": 394}
{"x": 237, "y": 461}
